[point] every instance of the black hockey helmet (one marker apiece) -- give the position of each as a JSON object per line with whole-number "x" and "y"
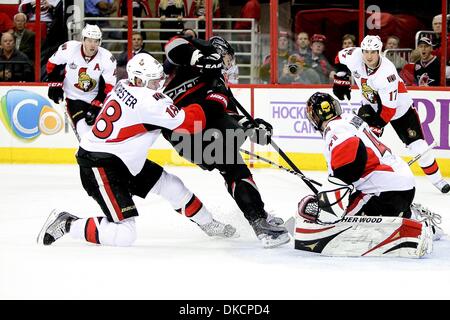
{"x": 222, "y": 46}
{"x": 322, "y": 107}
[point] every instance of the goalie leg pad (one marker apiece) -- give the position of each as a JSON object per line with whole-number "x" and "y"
{"x": 364, "y": 236}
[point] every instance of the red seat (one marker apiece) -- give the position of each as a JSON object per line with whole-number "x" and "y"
{"x": 32, "y": 26}
{"x": 9, "y": 9}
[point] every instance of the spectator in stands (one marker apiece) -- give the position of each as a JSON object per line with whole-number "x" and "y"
{"x": 6, "y": 25}
{"x": 303, "y": 45}
{"x": 348, "y": 41}
{"x": 283, "y": 55}
{"x": 28, "y": 7}
{"x": 295, "y": 71}
{"x": 170, "y": 9}
{"x": 437, "y": 28}
{"x": 251, "y": 10}
{"x": 141, "y": 8}
{"x": 318, "y": 61}
{"x": 189, "y": 32}
{"x": 392, "y": 43}
{"x": 427, "y": 71}
{"x": 14, "y": 65}
{"x": 24, "y": 37}
{"x": 137, "y": 47}
{"x": 98, "y": 8}
{"x": 197, "y": 10}
{"x": 407, "y": 73}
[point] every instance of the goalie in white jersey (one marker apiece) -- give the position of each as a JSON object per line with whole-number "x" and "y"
{"x": 114, "y": 167}
{"x": 85, "y": 73}
{"x": 385, "y": 99}
{"x": 373, "y": 182}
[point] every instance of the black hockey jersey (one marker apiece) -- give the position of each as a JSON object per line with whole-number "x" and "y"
{"x": 427, "y": 73}
{"x": 188, "y": 83}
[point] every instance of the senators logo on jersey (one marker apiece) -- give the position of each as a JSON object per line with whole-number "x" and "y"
{"x": 367, "y": 91}
{"x": 85, "y": 82}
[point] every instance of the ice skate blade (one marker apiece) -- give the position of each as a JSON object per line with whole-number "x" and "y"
{"x": 269, "y": 243}
{"x": 51, "y": 217}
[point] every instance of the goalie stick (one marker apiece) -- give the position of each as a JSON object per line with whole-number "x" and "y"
{"x": 274, "y": 145}
{"x": 301, "y": 175}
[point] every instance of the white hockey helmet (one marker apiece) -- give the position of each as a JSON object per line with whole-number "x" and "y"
{"x": 92, "y": 31}
{"x": 372, "y": 43}
{"x": 146, "y": 68}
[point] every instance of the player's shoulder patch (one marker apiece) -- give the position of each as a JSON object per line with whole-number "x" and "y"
{"x": 158, "y": 96}
{"x": 391, "y": 78}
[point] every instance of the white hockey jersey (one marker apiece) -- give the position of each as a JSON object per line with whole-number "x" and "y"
{"x": 131, "y": 120}
{"x": 383, "y": 171}
{"x": 81, "y": 80}
{"x": 383, "y": 80}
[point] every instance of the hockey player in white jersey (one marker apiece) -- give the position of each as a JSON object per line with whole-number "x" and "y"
{"x": 385, "y": 99}
{"x": 85, "y": 73}
{"x": 373, "y": 181}
{"x": 113, "y": 164}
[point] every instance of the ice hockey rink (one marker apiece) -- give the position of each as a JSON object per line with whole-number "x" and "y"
{"x": 173, "y": 259}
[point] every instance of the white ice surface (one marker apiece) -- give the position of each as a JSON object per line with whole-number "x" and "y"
{"x": 173, "y": 259}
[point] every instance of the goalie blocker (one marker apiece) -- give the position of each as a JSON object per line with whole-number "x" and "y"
{"x": 364, "y": 236}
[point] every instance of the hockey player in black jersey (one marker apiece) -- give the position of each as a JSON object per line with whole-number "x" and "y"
{"x": 195, "y": 68}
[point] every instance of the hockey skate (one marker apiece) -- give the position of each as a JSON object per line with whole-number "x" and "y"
{"x": 442, "y": 186}
{"x": 56, "y": 225}
{"x": 270, "y": 235}
{"x": 430, "y": 219}
{"x": 273, "y": 220}
{"x": 218, "y": 229}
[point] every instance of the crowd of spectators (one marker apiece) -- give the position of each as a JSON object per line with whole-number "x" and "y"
{"x": 302, "y": 58}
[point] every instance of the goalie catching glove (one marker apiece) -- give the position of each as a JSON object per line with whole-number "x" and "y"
{"x": 327, "y": 207}
{"x": 260, "y": 134}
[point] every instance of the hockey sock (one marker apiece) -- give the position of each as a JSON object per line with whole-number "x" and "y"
{"x": 181, "y": 198}
{"x": 99, "y": 230}
{"x": 247, "y": 197}
{"x": 427, "y": 162}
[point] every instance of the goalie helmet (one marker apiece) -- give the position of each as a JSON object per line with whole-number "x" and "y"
{"x": 372, "y": 43}
{"x": 223, "y": 48}
{"x": 146, "y": 68}
{"x": 322, "y": 107}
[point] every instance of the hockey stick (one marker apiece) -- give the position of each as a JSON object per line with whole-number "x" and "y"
{"x": 274, "y": 145}
{"x": 301, "y": 175}
{"x": 69, "y": 119}
{"x": 431, "y": 146}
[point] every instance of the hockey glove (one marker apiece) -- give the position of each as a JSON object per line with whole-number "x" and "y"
{"x": 55, "y": 91}
{"x": 93, "y": 111}
{"x": 369, "y": 115}
{"x": 341, "y": 85}
{"x": 377, "y": 131}
{"x": 206, "y": 63}
{"x": 260, "y": 134}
